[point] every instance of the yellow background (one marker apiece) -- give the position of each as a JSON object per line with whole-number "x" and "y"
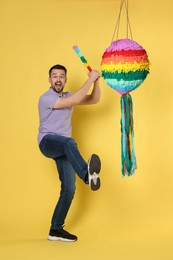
{"x": 128, "y": 218}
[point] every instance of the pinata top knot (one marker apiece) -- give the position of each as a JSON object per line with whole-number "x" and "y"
{"x": 124, "y": 65}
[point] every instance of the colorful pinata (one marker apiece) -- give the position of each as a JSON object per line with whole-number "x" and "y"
{"x": 124, "y": 65}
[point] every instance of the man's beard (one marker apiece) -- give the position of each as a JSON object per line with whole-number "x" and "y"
{"x": 58, "y": 90}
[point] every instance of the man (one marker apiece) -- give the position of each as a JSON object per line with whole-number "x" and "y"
{"x": 54, "y": 138}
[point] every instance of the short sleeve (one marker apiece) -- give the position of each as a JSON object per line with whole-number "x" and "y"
{"x": 48, "y": 101}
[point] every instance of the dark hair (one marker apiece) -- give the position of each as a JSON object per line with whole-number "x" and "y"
{"x": 57, "y": 67}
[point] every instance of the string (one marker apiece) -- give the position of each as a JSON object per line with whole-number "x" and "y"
{"x": 118, "y": 22}
{"x": 128, "y": 26}
{"x": 128, "y": 20}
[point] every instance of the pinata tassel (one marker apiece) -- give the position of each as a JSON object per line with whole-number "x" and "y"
{"x": 128, "y": 158}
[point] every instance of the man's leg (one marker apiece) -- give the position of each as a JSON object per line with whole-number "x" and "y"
{"x": 67, "y": 178}
{"x": 68, "y": 159}
{"x": 54, "y": 146}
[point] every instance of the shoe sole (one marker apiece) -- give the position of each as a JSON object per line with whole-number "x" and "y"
{"x": 94, "y": 167}
{"x": 53, "y": 238}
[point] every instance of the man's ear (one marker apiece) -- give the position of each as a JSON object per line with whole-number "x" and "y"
{"x": 49, "y": 79}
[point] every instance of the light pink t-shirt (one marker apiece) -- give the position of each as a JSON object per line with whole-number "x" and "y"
{"x": 53, "y": 121}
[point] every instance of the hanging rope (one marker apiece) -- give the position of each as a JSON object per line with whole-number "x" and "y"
{"x": 128, "y": 27}
{"x": 128, "y": 20}
{"x": 118, "y": 22}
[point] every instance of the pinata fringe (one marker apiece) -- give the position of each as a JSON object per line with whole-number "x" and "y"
{"x": 128, "y": 158}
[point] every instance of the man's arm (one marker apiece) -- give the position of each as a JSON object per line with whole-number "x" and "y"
{"x": 80, "y": 96}
{"x": 94, "y": 97}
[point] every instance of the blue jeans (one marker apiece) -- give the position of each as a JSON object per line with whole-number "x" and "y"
{"x": 68, "y": 160}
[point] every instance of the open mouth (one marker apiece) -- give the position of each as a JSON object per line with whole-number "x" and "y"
{"x": 58, "y": 84}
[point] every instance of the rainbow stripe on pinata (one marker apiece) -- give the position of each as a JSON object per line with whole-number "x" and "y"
{"x": 124, "y": 65}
